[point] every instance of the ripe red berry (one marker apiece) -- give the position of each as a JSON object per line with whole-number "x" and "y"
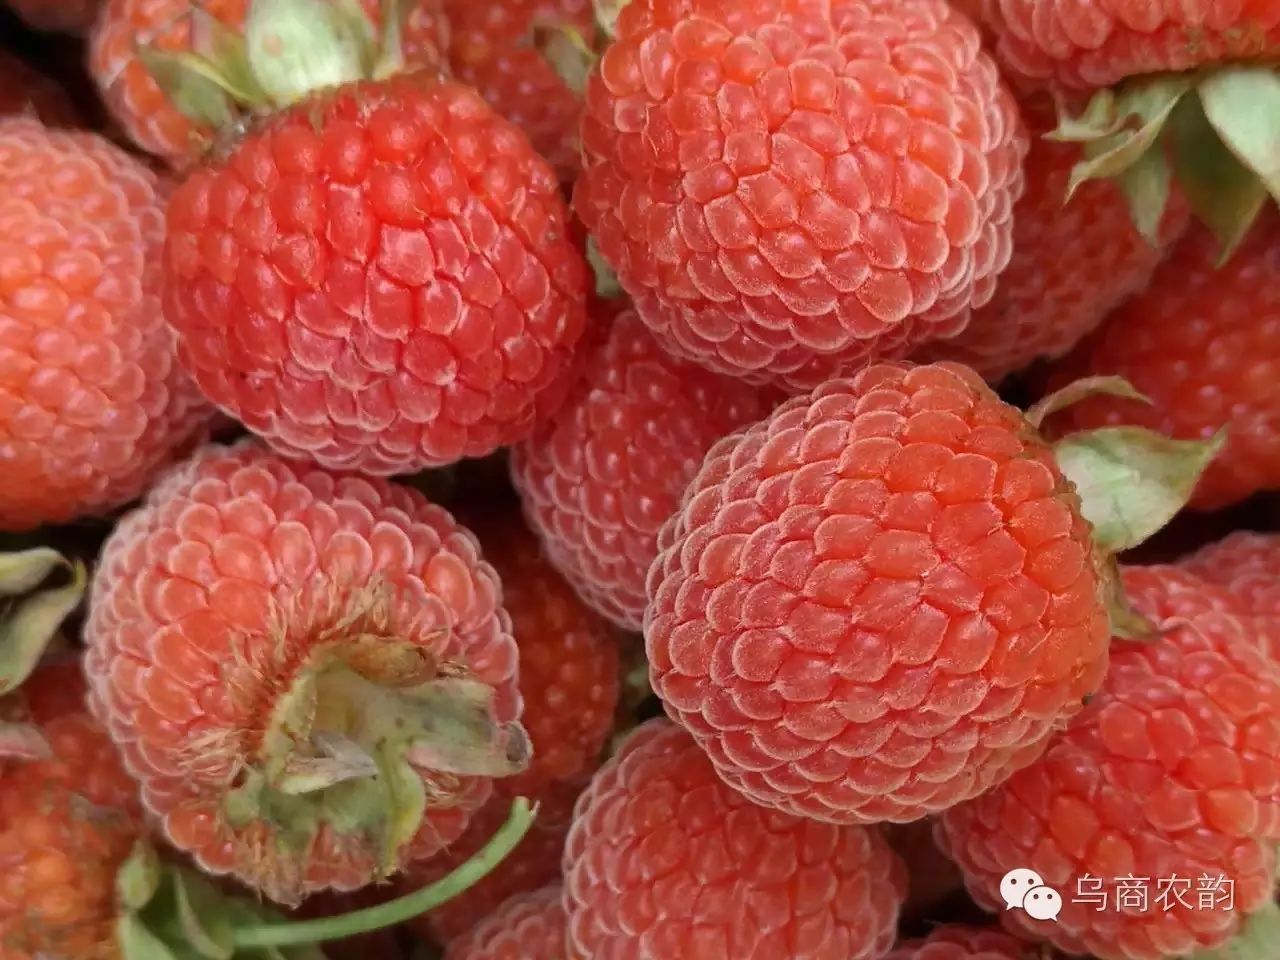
{"x": 1073, "y": 263}
{"x": 1173, "y": 771}
{"x": 148, "y": 114}
{"x": 92, "y": 403}
{"x": 1247, "y": 566}
{"x": 67, "y": 822}
{"x": 878, "y": 602}
{"x": 1200, "y": 342}
{"x": 955, "y": 942}
{"x": 528, "y": 927}
{"x": 262, "y": 630}
{"x": 600, "y": 478}
{"x": 380, "y": 279}
{"x": 788, "y": 189}
{"x": 665, "y": 860}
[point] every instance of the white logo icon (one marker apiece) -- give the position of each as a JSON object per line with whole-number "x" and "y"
{"x": 1025, "y": 890}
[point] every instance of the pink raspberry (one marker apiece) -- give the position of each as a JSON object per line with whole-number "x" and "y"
{"x": 1247, "y": 566}
{"x": 527, "y": 927}
{"x": 963, "y": 943}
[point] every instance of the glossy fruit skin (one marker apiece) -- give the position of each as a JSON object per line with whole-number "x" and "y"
{"x": 210, "y": 597}
{"x": 527, "y": 927}
{"x": 1201, "y": 343}
{"x": 92, "y": 401}
{"x": 600, "y": 478}
{"x": 787, "y": 191}
{"x": 64, "y": 16}
{"x": 532, "y": 865}
{"x": 878, "y": 602}
{"x": 663, "y": 855}
{"x": 67, "y": 822}
{"x": 1247, "y": 566}
{"x": 1173, "y": 769}
{"x": 23, "y": 90}
{"x": 493, "y": 47}
{"x": 1073, "y": 263}
{"x": 380, "y": 279}
{"x": 956, "y": 942}
{"x": 147, "y": 114}
{"x": 1085, "y": 46}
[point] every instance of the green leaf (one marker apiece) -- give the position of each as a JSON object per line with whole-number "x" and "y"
{"x": 1132, "y": 481}
{"x": 299, "y": 46}
{"x": 138, "y": 878}
{"x": 1221, "y": 191}
{"x": 205, "y": 928}
{"x": 1242, "y": 103}
{"x": 189, "y": 83}
{"x": 32, "y": 623}
{"x": 1146, "y": 188}
{"x": 1079, "y": 390}
{"x": 136, "y": 942}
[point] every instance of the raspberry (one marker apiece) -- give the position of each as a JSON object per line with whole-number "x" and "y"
{"x": 878, "y": 602}
{"x": 1247, "y": 566}
{"x": 492, "y": 49}
{"x": 788, "y": 189}
{"x": 22, "y": 89}
{"x": 66, "y": 824}
{"x": 256, "y": 610}
{"x": 92, "y": 402}
{"x": 1200, "y": 343}
{"x": 1085, "y": 46}
{"x": 664, "y": 858}
{"x": 1072, "y": 265}
{"x": 533, "y": 864}
{"x": 527, "y": 927}
{"x": 378, "y": 279}
{"x": 67, "y": 16}
{"x": 1172, "y": 771}
{"x": 600, "y": 478}
{"x": 147, "y": 114}
{"x": 963, "y": 943}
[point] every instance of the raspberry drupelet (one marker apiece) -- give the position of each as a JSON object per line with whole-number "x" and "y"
{"x": 665, "y": 860}
{"x": 1247, "y": 566}
{"x": 790, "y": 188}
{"x": 955, "y": 942}
{"x": 878, "y": 602}
{"x": 310, "y": 674}
{"x": 92, "y": 400}
{"x": 1173, "y": 770}
{"x": 600, "y": 478}
{"x": 528, "y": 927}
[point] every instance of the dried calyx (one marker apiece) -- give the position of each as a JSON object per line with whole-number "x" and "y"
{"x": 168, "y": 912}
{"x": 288, "y": 50}
{"x": 1215, "y": 132}
{"x": 1131, "y": 482}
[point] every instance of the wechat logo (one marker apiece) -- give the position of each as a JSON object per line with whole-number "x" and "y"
{"x": 1025, "y": 890}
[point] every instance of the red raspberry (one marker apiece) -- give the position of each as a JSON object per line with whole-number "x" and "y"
{"x": 788, "y": 188}
{"x": 1172, "y": 771}
{"x": 533, "y": 864}
{"x": 1247, "y": 566}
{"x": 665, "y": 860}
{"x": 67, "y": 16}
{"x": 878, "y": 602}
{"x": 492, "y": 48}
{"x": 963, "y": 943}
{"x": 22, "y": 89}
{"x": 67, "y": 822}
{"x": 568, "y": 658}
{"x": 1072, "y": 265}
{"x": 378, "y": 279}
{"x": 1201, "y": 343}
{"x": 601, "y": 477}
{"x": 92, "y": 402}
{"x": 147, "y": 113}
{"x": 527, "y": 927}
{"x": 255, "y": 609}
{"x": 1089, "y": 45}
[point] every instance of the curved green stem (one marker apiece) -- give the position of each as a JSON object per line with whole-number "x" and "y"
{"x": 298, "y": 933}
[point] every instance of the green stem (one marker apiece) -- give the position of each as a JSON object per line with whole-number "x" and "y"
{"x": 298, "y": 933}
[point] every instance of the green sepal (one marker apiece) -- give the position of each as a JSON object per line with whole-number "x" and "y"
{"x": 1243, "y": 105}
{"x": 138, "y": 878}
{"x": 1132, "y": 481}
{"x": 607, "y": 285}
{"x": 1080, "y": 390}
{"x": 1147, "y": 186}
{"x": 1258, "y": 939}
{"x": 568, "y": 52}
{"x": 222, "y": 58}
{"x": 1126, "y": 622}
{"x": 205, "y": 927}
{"x": 607, "y": 12}
{"x": 136, "y": 942}
{"x": 192, "y": 85}
{"x": 298, "y": 46}
{"x": 33, "y": 616}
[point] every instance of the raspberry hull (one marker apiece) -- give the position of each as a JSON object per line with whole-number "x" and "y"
{"x": 788, "y": 189}
{"x": 878, "y": 602}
